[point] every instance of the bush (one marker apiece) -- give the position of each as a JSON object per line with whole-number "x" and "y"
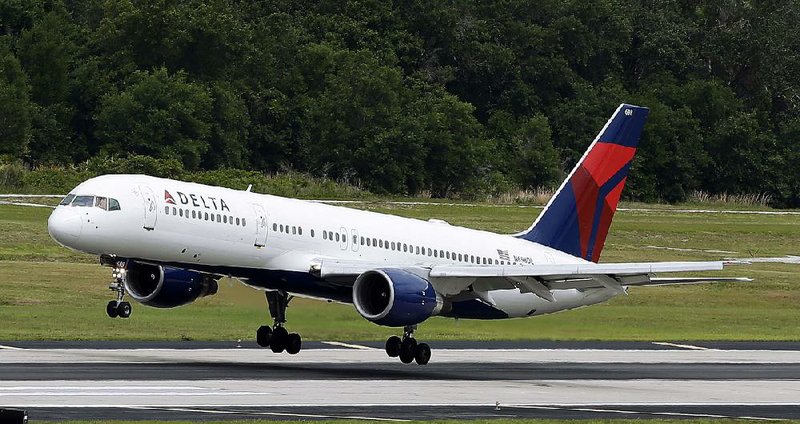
{"x": 11, "y": 175}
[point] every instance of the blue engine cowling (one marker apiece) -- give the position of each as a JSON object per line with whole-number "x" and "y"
{"x": 394, "y": 297}
{"x": 164, "y": 287}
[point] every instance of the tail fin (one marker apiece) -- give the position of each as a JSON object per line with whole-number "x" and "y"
{"x": 577, "y": 218}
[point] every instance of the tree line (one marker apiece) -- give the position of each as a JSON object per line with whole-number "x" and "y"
{"x": 451, "y": 98}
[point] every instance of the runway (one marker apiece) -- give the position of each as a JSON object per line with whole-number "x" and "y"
{"x": 226, "y": 380}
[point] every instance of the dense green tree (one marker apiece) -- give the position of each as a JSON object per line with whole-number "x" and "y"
{"x": 15, "y": 106}
{"x": 160, "y": 115}
{"x": 453, "y": 98}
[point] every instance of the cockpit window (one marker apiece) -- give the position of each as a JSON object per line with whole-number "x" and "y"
{"x": 83, "y": 201}
{"x": 67, "y": 200}
{"x": 101, "y": 202}
{"x": 113, "y": 205}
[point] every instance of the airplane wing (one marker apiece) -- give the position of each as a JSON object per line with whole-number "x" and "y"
{"x": 451, "y": 280}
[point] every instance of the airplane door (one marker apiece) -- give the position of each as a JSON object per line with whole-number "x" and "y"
{"x": 261, "y": 226}
{"x": 354, "y": 242}
{"x": 150, "y": 208}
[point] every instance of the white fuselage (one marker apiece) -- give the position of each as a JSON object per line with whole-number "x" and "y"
{"x": 246, "y": 235}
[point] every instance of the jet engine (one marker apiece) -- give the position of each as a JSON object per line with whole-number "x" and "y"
{"x": 395, "y": 297}
{"x": 165, "y": 287}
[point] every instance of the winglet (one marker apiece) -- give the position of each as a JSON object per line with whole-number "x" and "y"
{"x": 578, "y": 216}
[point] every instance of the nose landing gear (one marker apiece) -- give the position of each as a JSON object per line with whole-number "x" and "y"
{"x": 117, "y": 308}
{"x": 277, "y": 338}
{"x": 407, "y": 348}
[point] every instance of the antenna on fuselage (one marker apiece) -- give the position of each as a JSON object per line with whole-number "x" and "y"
{"x": 249, "y": 187}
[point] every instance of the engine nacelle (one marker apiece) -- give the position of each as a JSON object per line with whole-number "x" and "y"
{"x": 165, "y": 287}
{"x": 395, "y": 298}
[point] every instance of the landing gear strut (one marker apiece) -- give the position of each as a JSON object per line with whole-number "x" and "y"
{"x": 407, "y": 348}
{"x": 277, "y": 337}
{"x": 117, "y": 308}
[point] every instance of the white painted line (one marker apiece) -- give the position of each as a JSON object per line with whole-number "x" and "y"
{"x": 682, "y": 346}
{"x": 265, "y": 413}
{"x": 788, "y": 259}
{"x": 35, "y": 205}
{"x": 634, "y": 412}
{"x": 349, "y": 345}
{"x": 10, "y": 347}
{"x": 55, "y": 196}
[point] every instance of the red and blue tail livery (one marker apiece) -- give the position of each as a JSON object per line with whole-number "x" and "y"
{"x": 577, "y": 219}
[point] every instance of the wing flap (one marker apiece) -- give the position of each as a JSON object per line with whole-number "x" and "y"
{"x": 572, "y": 270}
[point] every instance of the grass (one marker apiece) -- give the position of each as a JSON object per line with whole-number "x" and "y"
{"x": 42, "y": 284}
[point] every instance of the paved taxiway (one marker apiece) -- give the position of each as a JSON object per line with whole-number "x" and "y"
{"x": 218, "y": 380}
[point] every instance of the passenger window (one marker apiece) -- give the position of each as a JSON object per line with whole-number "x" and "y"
{"x": 405, "y": 247}
{"x": 83, "y": 201}
{"x": 166, "y": 210}
{"x": 392, "y": 245}
{"x": 174, "y": 210}
{"x": 101, "y": 202}
{"x": 230, "y": 220}
{"x": 244, "y": 224}
{"x": 300, "y": 231}
{"x": 312, "y": 233}
{"x": 294, "y": 230}
{"x": 67, "y": 200}
{"x": 337, "y": 236}
{"x": 281, "y": 227}
{"x": 237, "y": 221}
{"x": 224, "y": 219}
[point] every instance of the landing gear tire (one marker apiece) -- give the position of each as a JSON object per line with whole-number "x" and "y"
{"x": 407, "y": 350}
{"x": 422, "y": 354}
{"x": 111, "y": 309}
{"x": 280, "y": 338}
{"x": 293, "y": 344}
{"x": 117, "y": 308}
{"x": 124, "y": 310}
{"x": 264, "y": 335}
{"x": 393, "y": 346}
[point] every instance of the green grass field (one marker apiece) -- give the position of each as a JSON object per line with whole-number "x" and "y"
{"x": 503, "y": 421}
{"x": 49, "y": 292}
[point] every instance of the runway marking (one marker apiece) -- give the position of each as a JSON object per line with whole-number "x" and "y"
{"x": 349, "y": 345}
{"x": 682, "y": 346}
{"x": 10, "y": 347}
{"x": 634, "y": 412}
{"x": 276, "y": 414}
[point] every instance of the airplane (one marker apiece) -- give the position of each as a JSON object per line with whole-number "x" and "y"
{"x": 168, "y": 242}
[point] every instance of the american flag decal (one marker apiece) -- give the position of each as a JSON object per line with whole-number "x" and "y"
{"x": 503, "y": 255}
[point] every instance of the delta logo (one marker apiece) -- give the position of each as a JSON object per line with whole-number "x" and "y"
{"x": 196, "y": 200}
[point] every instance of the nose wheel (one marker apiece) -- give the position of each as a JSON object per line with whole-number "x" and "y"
{"x": 407, "y": 348}
{"x": 118, "y": 308}
{"x": 277, "y": 338}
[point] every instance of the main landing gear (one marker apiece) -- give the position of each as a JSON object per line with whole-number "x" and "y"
{"x": 407, "y": 348}
{"x": 117, "y": 308}
{"x": 277, "y": 337}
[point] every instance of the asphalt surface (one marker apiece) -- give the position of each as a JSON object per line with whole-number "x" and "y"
{"x": 201, "y": 381}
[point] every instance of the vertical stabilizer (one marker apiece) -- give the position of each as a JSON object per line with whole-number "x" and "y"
{"x": 577, "y": 218}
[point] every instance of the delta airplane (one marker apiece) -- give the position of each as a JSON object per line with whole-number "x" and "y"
{"x": 169, "y": 241}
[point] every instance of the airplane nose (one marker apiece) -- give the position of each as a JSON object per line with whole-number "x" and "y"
{"x": 65, "y": 226}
